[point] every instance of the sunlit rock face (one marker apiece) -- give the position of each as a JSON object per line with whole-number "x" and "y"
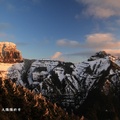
{"x": 9, "y": 53}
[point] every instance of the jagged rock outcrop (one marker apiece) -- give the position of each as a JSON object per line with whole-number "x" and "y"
{"x": 98, "y": 55}
{"x": 9, "y": 53}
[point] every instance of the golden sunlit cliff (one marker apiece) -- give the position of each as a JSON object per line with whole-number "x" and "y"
{"x": 9, "y": 53}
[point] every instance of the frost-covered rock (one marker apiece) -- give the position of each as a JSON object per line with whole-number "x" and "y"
{"x": 16, "y": 73}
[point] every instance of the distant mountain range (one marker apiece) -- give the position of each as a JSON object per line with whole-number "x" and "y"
{"x": 71, "y": 85}
{"x": 90, "y": 88}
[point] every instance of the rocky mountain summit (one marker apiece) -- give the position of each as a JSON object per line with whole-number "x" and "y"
{"x": 9, "y": 53}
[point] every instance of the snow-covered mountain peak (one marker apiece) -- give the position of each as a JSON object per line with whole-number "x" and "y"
{"x": 103, "y": 55}
{"x": 98, "y": 55}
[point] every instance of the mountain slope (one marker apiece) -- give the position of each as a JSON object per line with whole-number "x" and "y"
{"x": 17, "y": 103}
{"x": 67, "y": 84}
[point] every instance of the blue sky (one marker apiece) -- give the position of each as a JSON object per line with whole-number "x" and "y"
{"x": 69, "y": 30}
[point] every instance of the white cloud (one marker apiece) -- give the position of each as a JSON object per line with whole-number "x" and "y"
{"x": 68, "y": 43}
{"x": 98, "y": 42}
{"x": 113, "y": 51}
{"x": 100, "y": 37}
{"x": 101, "y": 8}
{"x": 102, "y": 41}
{"x": 57, "y": 55}
{"x": 100, "y": 12}
{"x": 93, "y": 43}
